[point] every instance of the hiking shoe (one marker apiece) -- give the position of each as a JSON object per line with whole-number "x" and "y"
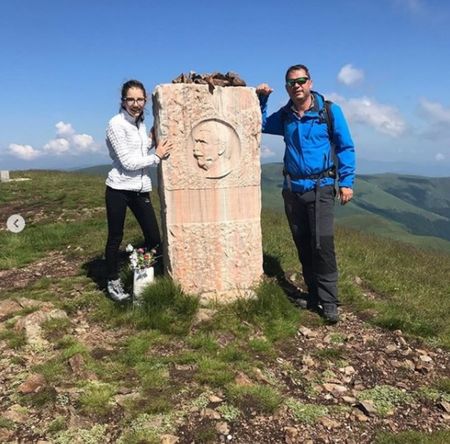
{"x": 116, "y": 291}
{"x": 330, "y": 313}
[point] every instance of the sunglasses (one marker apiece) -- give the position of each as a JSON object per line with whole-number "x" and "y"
{"x": 298, "y": 81}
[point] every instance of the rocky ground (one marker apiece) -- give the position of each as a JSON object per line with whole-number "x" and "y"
{"x": 340, "y": 384}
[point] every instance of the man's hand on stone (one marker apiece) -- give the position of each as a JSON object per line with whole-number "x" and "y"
{"x": 345, "y": 195}
{"x": 263, "y": 89}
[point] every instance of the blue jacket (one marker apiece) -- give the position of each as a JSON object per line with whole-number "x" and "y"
{"x": 308, "y": 147}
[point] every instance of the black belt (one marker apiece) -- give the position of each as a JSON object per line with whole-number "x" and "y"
{"x": 331, "y": 172}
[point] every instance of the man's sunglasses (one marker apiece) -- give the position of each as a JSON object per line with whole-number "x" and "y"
{"x": 298, "y": 81}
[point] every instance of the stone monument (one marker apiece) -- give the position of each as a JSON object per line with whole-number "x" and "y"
{"x": 4, "y": 176}
{"x": 210, "y": 188}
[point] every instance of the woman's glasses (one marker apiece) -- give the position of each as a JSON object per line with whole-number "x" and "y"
{"x": 131, "y": 101}
{"x": 298, "y": 81}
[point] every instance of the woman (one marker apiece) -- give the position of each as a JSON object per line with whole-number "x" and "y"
{"x": 128, "y": 183}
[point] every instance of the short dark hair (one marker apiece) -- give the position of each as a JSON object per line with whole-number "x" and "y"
{"x": 296, "y": 68}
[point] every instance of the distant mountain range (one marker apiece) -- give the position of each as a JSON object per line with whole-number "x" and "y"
{"x": 413, "y": 209}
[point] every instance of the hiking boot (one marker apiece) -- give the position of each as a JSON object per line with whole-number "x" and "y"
{"x": 330, "y": 313}
{"x": 116, "y": 291}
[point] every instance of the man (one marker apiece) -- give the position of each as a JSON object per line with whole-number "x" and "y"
{"x": 309, "y": 172}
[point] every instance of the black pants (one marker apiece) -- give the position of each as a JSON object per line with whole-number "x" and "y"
{"x": 140, "y": 204}
{"x": 318, "y": 264}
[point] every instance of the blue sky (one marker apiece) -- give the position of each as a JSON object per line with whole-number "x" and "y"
{"x": 387, "y": 63}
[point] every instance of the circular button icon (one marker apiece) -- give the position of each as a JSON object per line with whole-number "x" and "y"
{"x": 15, "y": 223}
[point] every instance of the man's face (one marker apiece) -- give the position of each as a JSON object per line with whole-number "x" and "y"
{"x": 298, "y": 85}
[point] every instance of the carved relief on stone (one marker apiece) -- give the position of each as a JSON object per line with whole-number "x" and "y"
{"x": 215, "y": 146}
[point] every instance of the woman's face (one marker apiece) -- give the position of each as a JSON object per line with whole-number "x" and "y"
{"x": 134, "y": 101}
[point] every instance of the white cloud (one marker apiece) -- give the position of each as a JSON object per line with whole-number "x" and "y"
{"x": 383, "y": 118}
{"x": 84, "y": 142}
{"x": 57, "y": 146}
{"x": 436, "y": 124}
{"x": 435, "y": 111}
{"x": 64, "y": 129}
{"x": 439, "y": 157}
{"x": 266, "y": 152}
{"x": 348, "y": 75}
{"x": 68, "y": 141}
{"x": 25, "y": 152}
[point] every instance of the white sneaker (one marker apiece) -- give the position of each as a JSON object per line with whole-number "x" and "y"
{"x": 116, "y": 291}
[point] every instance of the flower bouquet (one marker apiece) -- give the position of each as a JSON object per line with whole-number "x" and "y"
{"x": 141, "y": 262}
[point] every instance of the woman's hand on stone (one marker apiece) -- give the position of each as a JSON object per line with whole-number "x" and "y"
{"x": 163, "y": 149}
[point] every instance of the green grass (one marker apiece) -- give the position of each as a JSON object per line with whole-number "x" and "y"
{"x": 385, "y": 398}
{"x": 259, "y": 398}
{"x": 412, "y": 437}
{"x": 96, "y": 398}
{"x": 305, "y": 413}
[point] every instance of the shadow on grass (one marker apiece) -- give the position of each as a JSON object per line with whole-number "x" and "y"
{"x": 95, "y": 270}
{"x": 272, "y": 268}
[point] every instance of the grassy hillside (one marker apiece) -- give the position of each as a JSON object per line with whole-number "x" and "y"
{"x": 407, "y": 208}
{"x": 259, "y": 371}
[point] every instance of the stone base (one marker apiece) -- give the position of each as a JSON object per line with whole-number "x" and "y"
{"x": 226, "y": 297}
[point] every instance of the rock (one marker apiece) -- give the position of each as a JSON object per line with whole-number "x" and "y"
{"x": 16, "y": 413}
{"x": 222, "y": 428}
{"x": 124, "y": 400}
{"x": 76, "y": 363}
{"x": 348, "y": 371}
{"x": 391, "y": 348}
{"x": 408, "y": 364}
{"x": 444, "y": 405}
{"x": 33, "y": 384}
{"x": 308, "y": 361}
{"x": 334, "y": 389}
{"x": 307, "y": 333}
{"x": 242, "y": 379}
{"x": 290, "y": 435}
{"x": 215, "y": 399}
{"x": 425, "y": 358}
{"x": 260, "y": 376}
{"x": 32, "y": 303}
{"x": 31, "y": 324}
{"x": 212, "y": 188}
{"x": 359, "y": 415}
{"x": 329, "y": 423}
{"x": 204, "y": 315}
{"x": 5, "y": 434}
{"x": 210, "y": 413}
{"x": 169, "y": 439}
{"x": 293, "y": 277}
{"x": 367, "y": 407}
{"x": 349, "y": 399}
{"x": 358, "y": 281}
{"x": 423, "y": 367}
{"x": 7, "y": 308}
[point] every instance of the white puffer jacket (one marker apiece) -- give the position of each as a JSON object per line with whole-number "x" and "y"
{"x": 128, "y": 145}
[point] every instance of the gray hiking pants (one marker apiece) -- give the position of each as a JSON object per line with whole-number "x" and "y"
{"x": 318, "y": 264}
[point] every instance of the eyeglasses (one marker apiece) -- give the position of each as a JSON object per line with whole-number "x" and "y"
{"x": 131, "y": 101}
{"x": 298, "y": 81}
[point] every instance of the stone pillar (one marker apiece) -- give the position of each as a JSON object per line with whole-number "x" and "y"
{"x": 4, "y": 176}
{"x": 210, "y": 188}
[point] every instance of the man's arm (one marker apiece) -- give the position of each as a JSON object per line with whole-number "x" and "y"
{"x": 272, "y": 124}
{"x": 345, "y": 153}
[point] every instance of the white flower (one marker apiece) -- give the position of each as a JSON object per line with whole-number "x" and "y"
{"x": 129, "y": 248}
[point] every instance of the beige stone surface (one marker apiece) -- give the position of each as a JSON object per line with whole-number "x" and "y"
{"x": 210, "y": 188}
